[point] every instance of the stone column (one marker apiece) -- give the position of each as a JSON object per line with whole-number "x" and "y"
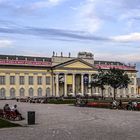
{"x": 65, "y": 85}
{"x": 82, "y": 84}
{"x": 73, "y": 84}
{"x": 89, "y": 80}
{"x": 57, "y": 85}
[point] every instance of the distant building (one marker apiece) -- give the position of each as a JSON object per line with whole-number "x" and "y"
{"x": 26, "y": 76}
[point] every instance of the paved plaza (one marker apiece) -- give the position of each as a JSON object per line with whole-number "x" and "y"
{"x": 67, "y": 122}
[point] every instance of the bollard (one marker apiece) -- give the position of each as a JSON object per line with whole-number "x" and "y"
{"x": 31, "y": 117}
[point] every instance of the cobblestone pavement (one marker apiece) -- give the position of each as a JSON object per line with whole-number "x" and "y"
{"x": 66, "y": 122}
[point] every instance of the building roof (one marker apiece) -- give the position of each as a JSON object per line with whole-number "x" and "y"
{"x": 24, "y": 60}
{"x": 111, "y": 64}
{"x": 107, "y": 62}
{"x": 32, "y": 61}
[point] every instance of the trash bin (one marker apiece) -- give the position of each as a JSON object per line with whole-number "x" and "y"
{"x": 31, "y": 117}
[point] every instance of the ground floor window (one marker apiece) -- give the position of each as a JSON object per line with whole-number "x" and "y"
{"x": 12, "y": 93}
{"x": 31, "y": 92}
{"x": 2, "y": 93}
{"x": 39, "y": 91}
{"x": 22, "y": 92}
{"x": 48, "y": 92}
{"x": 132, "y": 90}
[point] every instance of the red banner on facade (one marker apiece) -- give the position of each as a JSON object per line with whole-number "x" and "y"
{"x": 24, "y": 62}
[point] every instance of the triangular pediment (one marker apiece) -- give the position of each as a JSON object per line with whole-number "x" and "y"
{"x": 75, "y": 64}
{"x": 78, "y": 64}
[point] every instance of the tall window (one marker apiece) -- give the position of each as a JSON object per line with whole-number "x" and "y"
{"x": 48, "y": 92}
{"x": 21, "y": 92}
{"x": 109, "y": 91}
{"x": 2, "y": 80}
{"x": 12, "y": 80}
{"x": 132, "y": 90}
{"x": 31, "y": 92}
{"x": 47, "y": 80}
{"x": 94, "y": 89}
{"x": 39, "y": 80}
{"x": 126, "y": 91}
{"x": 121, "y": 92}
{"x": 132, "y": 81}
{"x": 31, "y": 80}
{"x": 21, "y": 80}
{"x": 2, "y": 93}
{"x": 39, "y": 92}
{"x": 12, "y": 93}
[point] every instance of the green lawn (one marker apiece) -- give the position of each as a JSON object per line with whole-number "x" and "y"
{"x": 5, "y": 123}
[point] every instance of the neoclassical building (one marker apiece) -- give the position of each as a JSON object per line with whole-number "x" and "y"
{"x": 26, "y": 76}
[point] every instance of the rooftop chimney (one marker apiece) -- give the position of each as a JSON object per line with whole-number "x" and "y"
{"x": 69, "y": 54}
{"x": 61, "y": 54}
{"x": 53, "y": 53}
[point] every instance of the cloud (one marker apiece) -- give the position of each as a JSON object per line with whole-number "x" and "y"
{"x": 92, "y": 15}
{"x": 29, "y": 8}
{"x": 67, "y": 35}
{"x": 5, "y": 43}
{"x": 127, "y": 38}
{"x": 86, "y": 17}
{"x": 123, "y": 57}
{"x": 130, "y": 4}
{"x": 45, "y": 4}
{"x": 50, "y": 33}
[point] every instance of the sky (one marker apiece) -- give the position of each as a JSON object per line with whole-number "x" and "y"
{"x": 107, "y": 28}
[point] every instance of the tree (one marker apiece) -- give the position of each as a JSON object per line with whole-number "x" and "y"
{"x": 117, "y": 78}
{"x": 99, "y": 80}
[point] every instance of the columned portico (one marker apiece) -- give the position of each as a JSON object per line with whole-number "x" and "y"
{"x": 73, "y": 77}
{"x": 79, "y": 83}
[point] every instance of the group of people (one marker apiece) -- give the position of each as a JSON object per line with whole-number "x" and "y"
{"x": 132, "y": 105}
{"x": 9, "y": 110}
{"x": 115, "y": 104}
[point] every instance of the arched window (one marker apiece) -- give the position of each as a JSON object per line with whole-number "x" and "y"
{"x": 109, "y": 91}
{"x": 94, "y": 89}
{"x": 2, "y": 93}
{"x": 121, "y": 91}
{"x": 132, "y": 90}
{"x": 99, "y": 90}
{"x": 39, "y": 91}
{"x": 104, "y": 91}
{"x": 31, "y": 92}
{"x": 12, "y": 93}
{"x": 132, "y": 81}
{"x": 126, "y": 91}
{"x": 21, "y": 92}
{"x": 48, "y": 92}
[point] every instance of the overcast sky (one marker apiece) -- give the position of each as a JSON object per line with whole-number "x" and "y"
{"x": 108, "y": 28}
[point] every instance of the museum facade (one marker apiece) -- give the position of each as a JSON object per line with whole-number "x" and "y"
{"x": 26, "y": 76}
